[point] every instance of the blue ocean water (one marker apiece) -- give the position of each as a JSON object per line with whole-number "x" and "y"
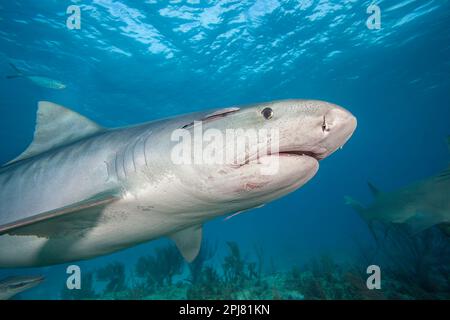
{"x": 138, "y": 61}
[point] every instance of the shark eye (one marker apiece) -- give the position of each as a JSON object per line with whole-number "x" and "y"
{"x": 267, "y": 113}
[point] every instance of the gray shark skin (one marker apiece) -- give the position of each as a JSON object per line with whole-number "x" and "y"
{"x": 420, "y": 205}
{"x": 11, "y": 286}
{"x": 80, "y": 190}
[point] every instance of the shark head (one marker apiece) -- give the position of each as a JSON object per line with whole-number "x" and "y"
{"x": 11, "y": 286}
{"x": 275, "y": 148}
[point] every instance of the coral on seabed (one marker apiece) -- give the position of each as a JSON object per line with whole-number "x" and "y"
{"x": 233, "y": 265}
{"x": 159, "y": 269}
{"x": 85, "y": 292}
{"x": 114, "y": 275}
{"x": 417, "y": 265}
{"x": 238, "y": 279}
{"x": 196, "y": 267}
{"x": 414, "y": 267}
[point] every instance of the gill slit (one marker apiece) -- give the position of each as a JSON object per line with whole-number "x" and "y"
{"x": 145, "y": 149}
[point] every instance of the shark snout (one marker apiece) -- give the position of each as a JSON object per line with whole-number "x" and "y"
{"x": 339, "y": 125}
{"x": 342, "y": 120}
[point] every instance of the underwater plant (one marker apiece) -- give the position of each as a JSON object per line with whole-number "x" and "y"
{"x": 136, "y": 290}
{"x": 209, "y": 285}
{"x": 233, "y": 264}
{"x": 239, "y": 279}
{"x": 356, "y": 288}
{"x": 252, "y": 271}
{"x": 324, "y": 267}
{"x": 158, "y": 269}
{"x": 415, "y": 265}
{"x": 114, "y": 275}
{"x": 207, "y": 251}
{"x": 242, "y": 279}
{"x": 312, "y": 287}
{"x": 323, "y": 279}
{"x": 401, "y": 256}
{"x": 86, "y": 292}
{"x": 259, "y": 253}
{"x": 420, "y": 261}
{"x": 272, "y": 266}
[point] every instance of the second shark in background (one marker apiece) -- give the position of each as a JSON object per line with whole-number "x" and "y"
{"x": 420, "y": 206}
{"x": 11, "y": 286}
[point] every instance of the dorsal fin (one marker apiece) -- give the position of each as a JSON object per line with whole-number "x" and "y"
{"x": 375, "y": 191}
{"x": 57, "y": 126}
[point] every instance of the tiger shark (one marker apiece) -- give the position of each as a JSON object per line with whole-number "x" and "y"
{"x": 13, "y": 285}
{"x": 81, "y": 190}
{"x": 419, "y": 206}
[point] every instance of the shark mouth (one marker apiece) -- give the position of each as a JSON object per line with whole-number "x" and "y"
{"x": 317, "y": 156}
{"x": 27, "y": 283}
{"x": 285, "y": 153}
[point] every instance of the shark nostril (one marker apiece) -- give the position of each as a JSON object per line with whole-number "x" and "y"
{"x": 325, "y": 127}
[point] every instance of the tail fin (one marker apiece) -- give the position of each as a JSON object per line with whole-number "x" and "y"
{"x": 17, "y": 75}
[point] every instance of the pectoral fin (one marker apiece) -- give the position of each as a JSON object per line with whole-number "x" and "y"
{"x": 77, "y": 217}
{"x": 188, "y": 241}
